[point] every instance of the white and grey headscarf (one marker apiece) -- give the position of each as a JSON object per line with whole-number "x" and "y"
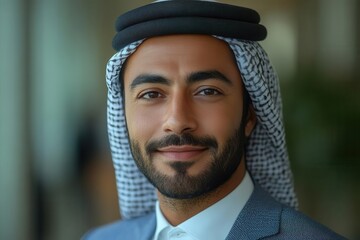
{"x": 266, "y": 154}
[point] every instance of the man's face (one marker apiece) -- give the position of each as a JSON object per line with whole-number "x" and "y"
{"x": 183, "y": 106}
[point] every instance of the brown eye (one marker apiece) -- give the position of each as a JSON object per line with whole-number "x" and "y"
{"x": 151, "y": 95}
{"x": 209, "y": 92}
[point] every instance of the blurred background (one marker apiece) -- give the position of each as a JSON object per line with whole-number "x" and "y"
{"x": 56, "y": 176}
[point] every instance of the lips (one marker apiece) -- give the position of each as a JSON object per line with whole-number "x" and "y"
{"x": 181, "y": 153}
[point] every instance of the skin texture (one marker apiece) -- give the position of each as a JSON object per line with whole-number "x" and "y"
{"x": 183, "y": 107}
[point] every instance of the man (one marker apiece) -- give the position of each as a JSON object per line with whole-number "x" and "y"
{"x": 194, "y": 109}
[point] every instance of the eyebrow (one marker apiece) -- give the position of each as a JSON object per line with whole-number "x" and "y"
{"x": 191, "y": 78}
{"x": 149, "y": 78}
{"x": 204, "y": 75}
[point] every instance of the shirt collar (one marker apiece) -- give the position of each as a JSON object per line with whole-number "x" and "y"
{"x": 198, "y": 226}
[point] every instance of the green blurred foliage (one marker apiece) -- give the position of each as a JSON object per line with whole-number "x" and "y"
{"x": 322, "y": 122}
{"x": 322, "y": 118}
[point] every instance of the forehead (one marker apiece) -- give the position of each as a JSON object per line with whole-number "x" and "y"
{"x": 181, "y": 52}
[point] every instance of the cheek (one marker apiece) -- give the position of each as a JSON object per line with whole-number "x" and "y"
{"x": 220, "y": 122}
{"x": 142, "y": 124}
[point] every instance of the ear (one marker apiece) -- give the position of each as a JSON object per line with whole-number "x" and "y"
{"x": 250, "y": 121}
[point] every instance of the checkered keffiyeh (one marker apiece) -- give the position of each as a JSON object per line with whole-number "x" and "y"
{"x": 266, "y": 153}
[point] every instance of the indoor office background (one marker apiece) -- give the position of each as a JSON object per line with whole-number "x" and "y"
{"x": 56, "y": 177}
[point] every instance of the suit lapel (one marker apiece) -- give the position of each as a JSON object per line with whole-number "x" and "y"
{"x": 259, "y": 218}
{"x": 142, "y": 228}
{"x": 149, "y": 228}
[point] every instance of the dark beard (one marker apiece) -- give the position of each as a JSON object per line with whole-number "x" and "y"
{"x": 223, "y": 164}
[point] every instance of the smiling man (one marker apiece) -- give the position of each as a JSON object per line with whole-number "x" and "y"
{"x": 179, "y": 106}
{"x": 195, "y": 127}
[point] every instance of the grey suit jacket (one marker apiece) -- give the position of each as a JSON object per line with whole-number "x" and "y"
{"x": 261, "y": 218}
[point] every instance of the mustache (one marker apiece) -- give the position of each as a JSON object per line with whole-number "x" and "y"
{"x": 178, "y": 140}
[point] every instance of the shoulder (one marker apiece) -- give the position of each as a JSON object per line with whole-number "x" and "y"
{"x": 264, "y": 217}
{"x": 295, "y": 223}
{"x": 136, "y": 228}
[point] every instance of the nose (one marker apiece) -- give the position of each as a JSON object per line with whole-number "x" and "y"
{"x": 179, "y": 117}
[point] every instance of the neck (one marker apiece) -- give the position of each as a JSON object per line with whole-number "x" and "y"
{"x": 177, "y": 211}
